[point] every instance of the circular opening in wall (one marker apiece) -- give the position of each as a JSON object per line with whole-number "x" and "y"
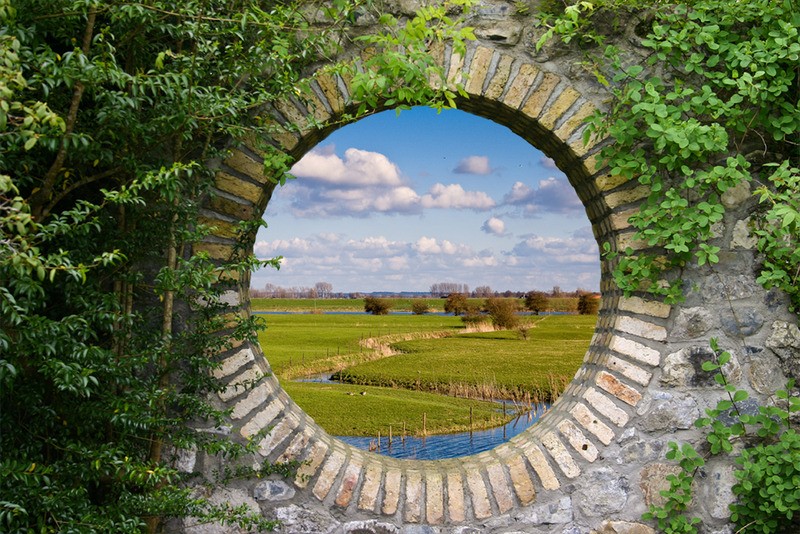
{"x": 433, "y": 269}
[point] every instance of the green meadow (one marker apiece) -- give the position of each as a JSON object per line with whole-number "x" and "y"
{"x": 403, "y": 366}
{"x": 307, "y": 305}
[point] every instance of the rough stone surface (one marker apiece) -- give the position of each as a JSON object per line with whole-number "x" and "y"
{"x": 369, "y": 527}
{"x": 717, "y": 495}
{"x": 653, "y": 480}
{"x": 302, "y": 520}
{"x": 785, "y": 342}
{"x": 685, "y": 368}
{"x": 273, "y": 490}
{"x": 692, "y": 323}
{"x": 743, "y": 322}
{"x": 624, "y": 527}
{"x": 670, "y": 412}
{"x": 603, "y": 493}
{"x": 558, "y": 512}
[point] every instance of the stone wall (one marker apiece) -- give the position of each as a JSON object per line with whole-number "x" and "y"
{"x": 596, "y": 460}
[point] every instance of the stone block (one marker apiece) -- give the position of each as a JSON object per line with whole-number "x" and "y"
{"x": 500, "y": 78}
{"x": 455, "y": 497}
{"x": 644, "y": 307}
{"x": 344, "y": 494}
{"x": 255, "y": 398}
{"x": 273, "y": 490}
{"x": 536, "y": 101}
{"x": 391, "y": 492}
{"x": 238, "y": 187}
{"x": 638, "y": 327}
{"x": 312, "y": 462}
{"x": 559, "y": 107}
{"x": 434, "y": 498}
{"x": 578, "y": 440}
{"x": 330, "y": 470}
{"x": 653, "y": 480}
{"x": 628, "y": 370}
{"x": 520, "y": 85}
{"x": 500, "y": 487}
{"x": 412, "y": 508}
{"x": 481, "y": 507}
{"x": 603, "y": 493}
{"x": 587, "y": 420}
{"x": 669, "y": 412}
{"x": 233, "y": 363}
{"x": 371, "y": 487}
{"x": 262, "y": 419}
{"x": 575, "y": 121}
{"x": 635, "y": 350}
{"x": 611, "y": 384}
{"x": 478, "y": 69}
{"x": 606, "y": 407}
{"x": 561, "y": 455}
{"x": 521, "y": 480}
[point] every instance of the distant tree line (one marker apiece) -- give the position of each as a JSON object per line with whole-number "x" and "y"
{"x": 321, "y": 290}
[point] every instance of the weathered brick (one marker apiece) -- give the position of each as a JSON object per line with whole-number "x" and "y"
{"x": 455, "y": 71}
{"x": 628, "y": 240}
{"x": 352, "y": 472}
{"x": 455, "y": 497}
{"x": 241, "y": 383}
{"x": 539, "y": 463}
{"x": 239, "y": 161}
{"x": 233, "y": 363}
{"x": 412, "y": 510}
{"x": 219, "y": 227}
{"x": 561, "y": 455}
{"x": 215, "y": 251}
{"x": 628, "y": 370}
{"x": 232, "y": 208}
{"x": 330, "y": 470}
{"x": 262, "y": 419}
{"x": 309, "y": 467}
{"x": 606, "y": 406}
{"x": 611, "y": 384}
{"x": 520, "y": 85}
{"x": 477, "y": 490}
{"x": 500, "y": 488}
{"x": 635, "y": 350}
{"x": 391, "y": 491}
{"x": 607, "y": 182}
{"x": 279, "y": 432}
{"x": 578, "y": 440}
{"x": 619, "y": 221}
{"x": 238, "y": 187}
{"x": 500, "y": 78}
{"x": 587, "y": 420}
{"x": 330, "y": 88}
{"x": 478, "y": 69}
{"x": 253, "y": 400}
{"x": 626, "y": 196}
{"x": 644, "y": 307}
{"x": 575, "y": 121}
{"x": 291, "y": 113}
{"x": 521, "y": 480}
{"x": 372, "y": 485}
{"x": 434, "y": 498}
{"x": 535, "y": 103}
{"x": 558, "y": 108}
{"x": 295, "y": 448}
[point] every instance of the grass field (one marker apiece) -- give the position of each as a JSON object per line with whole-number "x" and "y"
{"x": 562, "y": 304}
{"x": 435, "y": 355}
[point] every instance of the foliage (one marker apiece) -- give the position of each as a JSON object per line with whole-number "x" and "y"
{"x": 536, "y": 301}
{"x": 420, "y": 307}
{"x": 377, "y": 306}
{"x": 768, "y": 498}
{"x": 111, "y": 114}
{"x": 503, "y": 312}
{"x": 456, "y": 303}
{"x": 588, "y": 304}
{"x": 713, "y": 107}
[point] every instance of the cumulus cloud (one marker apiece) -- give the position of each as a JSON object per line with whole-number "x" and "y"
{"x": 358, "y": 168}
{"x": 454, "y": 196}
{"x": 553, "y": 195}
{"x": 431, "y": 245}
{"x": 579, "y": 248}
{"x": 494, "y": 226}
{"x": 474, "y": 165}
{"x": 548, "y": 163}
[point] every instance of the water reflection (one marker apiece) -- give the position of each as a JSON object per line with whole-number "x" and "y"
{"x": 447, "y": 445}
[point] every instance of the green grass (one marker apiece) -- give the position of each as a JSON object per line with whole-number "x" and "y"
{"x": 342, "y": 410}
{"x": 561, "y": 304}
{"x": 496, "y": 364}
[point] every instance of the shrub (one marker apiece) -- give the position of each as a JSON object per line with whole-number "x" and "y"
{"x": 536, "y": 301}
{"x": 377, "y": 306}
{"x": 420, "y": 307}
{"x": 503, "y": 312}
{"x": 456, "y": 303}
{"x": 588, "y": 304}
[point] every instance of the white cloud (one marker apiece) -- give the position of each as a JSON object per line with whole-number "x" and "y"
{"x": 358, "y": 168}
{"x": 494, "y": 226}
{"x": 474, "y": 165}
{"x": 548, "y": 163}
{"x": 454, "y": 196}
{"x": 431, "y": 245}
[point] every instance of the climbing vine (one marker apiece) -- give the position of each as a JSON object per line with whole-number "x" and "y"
{"x": 713, "y": 105}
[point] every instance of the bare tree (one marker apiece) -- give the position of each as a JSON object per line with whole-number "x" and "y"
{"x": 324, "y": 289}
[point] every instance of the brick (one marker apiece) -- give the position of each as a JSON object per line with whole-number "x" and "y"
{"x": 578, "y": 440}
{"x": 480, "y": 498}
{"x": 611, "y": 384}
{"x": 520, "y": 85}
{"x": 635, "y": 350}
{"x": 521, "y": 480}
{"x": 455, "y": 497}
{"x": 606, "y": 406}
{"x": 500, "y": 78}
{"x": 434, "y": 498}
{"x": 575, "y": 121}
{"x": 241, "y": 383}
{"x": 619, "y": 221}
{"x": 594, "y": 164}
{"x": 312, "y": 462}
{"x": 279, "y": 432}
{"x": 539, "y": 463}
{"x": 215, "y": 251}
{"x": 535, "y": 103}
{"x": 628, "y": 370}
{"x": 644, "y": 307}
{"x": 295, "y": 448}
{"x": 561, "y": 455}
{"x": 627, "y": 196}
{"x": 238, "y": 187}
{"x": 391, "y": 492}
{"x": 558, "y": 108}
{"x": 412, "y": 511}
{"x": 219, "y": 227}
{"x": 372, "y": 485}
{"x": 454, "y": 74}
{"x": 292, "y": 114}
{"x": 231, "y": 208}
{"x": 253, "y": 400}
{"x": 500, "y": 488}
{"x": 478, "y": 69}
{"x": 344, "y": 494}
{"x": 233, "y": 363}
{"x": 330, "y": 470}
{"x": 329, "y": 86}
{"x": 239, "y": 161}
{"x": 587, "y": 420}
{"x": 628, "y": 239}
{"x": 262, "y": 419}
{"x": 607, "y": 182}
{"x": 315, "y": 106}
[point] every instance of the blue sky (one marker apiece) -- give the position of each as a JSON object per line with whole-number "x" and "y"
{"x": 397, "y": 203}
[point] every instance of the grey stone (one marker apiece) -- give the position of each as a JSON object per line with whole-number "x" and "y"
{"x": 232, "y": 497}
{"x": 624, "y": 527}
{"x": 299, "y": 520}
{"x": 785, "y": 342}
{"x": 685, "y": 368}
{"x": 728, "y": 287}
{"x": 640, "y": 452}
{"x": 557, "y": 512}
{"x": 745, "y": 407}
{"x": 735, "y": 196}
{"x": 653, "y": 480}
{"x": 764, "y": 374}
{"x": 371, "y": 526}
{"x": 692, "y": 323}
{"x": 670, "y": 412}
{"x": 604, "y": 492}
{"x": 741, "y": 237}
{"x": 716, "y": 494}
{"x": 186, "y": 459}
{"x": 506, "y": 33}
{"x": 419, "y": 529}
{"x": 273, "y": 490}
{"x": 742, "y": 322}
